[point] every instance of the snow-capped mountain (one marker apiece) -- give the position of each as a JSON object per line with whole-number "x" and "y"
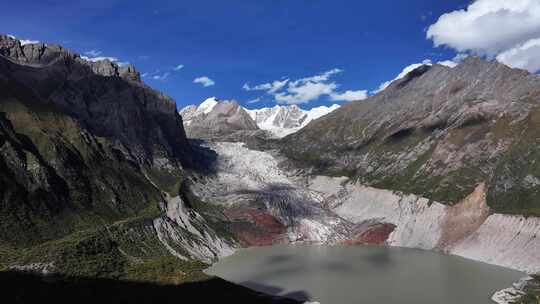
{"x": 280, "y": 121}
{"x": 192, "y": 111}
{"x": 284, "y": 120}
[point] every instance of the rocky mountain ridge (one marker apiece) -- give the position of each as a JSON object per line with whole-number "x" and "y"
{"x": 279, "y": 121}
{"x": 438, "y": 133}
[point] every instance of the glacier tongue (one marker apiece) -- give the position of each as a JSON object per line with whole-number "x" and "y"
{"x": 334, "y": 210}
{"x": 249, "y": 179}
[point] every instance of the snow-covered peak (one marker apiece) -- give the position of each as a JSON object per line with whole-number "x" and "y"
{"x": 192, "y": 111}
{"x": 206, "y": 106}
{"x": 284, "y": 120}
{"x": 278, "y": 120}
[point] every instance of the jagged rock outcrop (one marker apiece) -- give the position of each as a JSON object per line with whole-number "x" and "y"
{"x": 40, "y": 54}
{"x": 438, "y": 132}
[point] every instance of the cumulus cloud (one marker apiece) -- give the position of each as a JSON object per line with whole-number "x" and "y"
{"x": 448, "y": 63}
{"x": 179, "y": 67}
{"x": 100, "y": 58}
{"x": 303, "y": 90}
{"x": 350, "y": 95}
{"x": 269, "y": 87}
{"x": 204, "y": 80}
{"x": 524, "y": 56}
{"x": 506, "y": 30}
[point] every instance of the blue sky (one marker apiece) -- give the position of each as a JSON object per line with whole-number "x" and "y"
{"x": 241, "y": 42}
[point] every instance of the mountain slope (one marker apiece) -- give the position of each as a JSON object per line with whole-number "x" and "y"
{"x": 94, "y": 169}
{"x": 438, "y": 132}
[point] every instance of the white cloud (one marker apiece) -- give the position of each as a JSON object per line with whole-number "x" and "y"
{"x": 95, "y": 56}
{"x": 156, "y": 75}
{"x": 161, "y": 76}
{"x": 269, "y": 87}
{"x": 96, "y": 59}
{"x": 254, "y": 100}
{"x": 488, "y": 26}
{"x": 305, "y": 92}
{"x": 317, "y": 78}
{"x": 306, "y": 89}
{"x": 93, "y": 53}
{"x": 204, "y": 80}
{"x": 179, "y": 67}
{"x": 448, "y": 63}
{"x": 524, "y": 56}
{"x": 24, "y": 41}
{"x": 502, "y": 29}
{"x": 350, "y": 95}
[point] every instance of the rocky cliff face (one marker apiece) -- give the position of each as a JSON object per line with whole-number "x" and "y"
{"x": 438, "y": 132}
{"x": 93, "y": 168}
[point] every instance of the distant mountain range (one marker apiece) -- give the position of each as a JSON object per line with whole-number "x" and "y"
{"x": 279, "y": 121}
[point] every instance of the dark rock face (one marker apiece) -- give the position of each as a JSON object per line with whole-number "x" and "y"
{"x": 79, "y": 143}
{"x": 117, "y": 106}
{"x": 225, "y": 119}
{"x": 40, "y": 54}
{"x": 438, "y": 132}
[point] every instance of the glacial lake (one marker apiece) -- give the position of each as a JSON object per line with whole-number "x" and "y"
{"x": 364, "y": 274}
